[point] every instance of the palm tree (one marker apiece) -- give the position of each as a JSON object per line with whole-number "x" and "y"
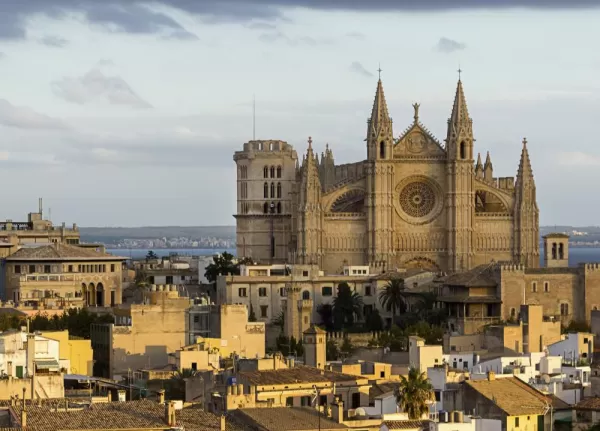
{"x": 394, "y": 296}
{"x": 414, "y": 394}
{"x": 178, "y": 383}
{"x": 346, "y": 306}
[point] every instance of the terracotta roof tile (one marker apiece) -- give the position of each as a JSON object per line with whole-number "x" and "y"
{"x": 480, "y": 276}
{"x": 592, "y": 403}
{"x": 301, "y": 374}
{"x": 287, "y": 419}
{"x": 143, "y": 414}
{"x": 511, "y": 395}
{"x": 407, "y": 425}
{"x": 60, "y": 252}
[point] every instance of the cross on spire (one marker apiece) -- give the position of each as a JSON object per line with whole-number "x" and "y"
{"x": 309, "y": 142}
{"x": 459, "y": 72}
{"x": 379, "y": 71}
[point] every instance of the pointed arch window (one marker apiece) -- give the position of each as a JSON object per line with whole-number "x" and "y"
{"x": 278, "y": 171}
{"x": 382, "y": 150}
{"x": 306, "y": 295}
{"x": 266, "y": 190}
{"x": 266, "y": 172}
{"x": 272, "y": 190}
{"x": 265, "y": 208}
{"x": 272, "y": 171}
{"x": 463, "y": 150}
{"x": 278, "y": 190}
{"x": 278, "y": 207}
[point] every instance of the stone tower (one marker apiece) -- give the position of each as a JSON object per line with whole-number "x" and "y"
{"x": 266, "y": 173}
{"x": 310, "y": 213}
{"x": 460, "y": 192}
{"x": 298, "y": 312}
{"x": 526, "y": 214}
{"x": 556, "y": 250}
{"x": 314, "y": 342}
{"x": 379, "y": 205}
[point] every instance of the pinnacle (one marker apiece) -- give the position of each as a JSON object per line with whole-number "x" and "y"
{"x": 460, "y": 113}
{"x": 524, "y": 164}
{"x": 479, "y": 165}
{"x": 488, "y": 160}
{"x": 379, "y": 114}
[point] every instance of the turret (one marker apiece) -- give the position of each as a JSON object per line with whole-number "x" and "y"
{"x": 488, "y": 169}
{"x": 459, "y": 140}
{"x": 380, "y": 137}
{"x": 479, "y": 167}
{"x": 327, "y": 168}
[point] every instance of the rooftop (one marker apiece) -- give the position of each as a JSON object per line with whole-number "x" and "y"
{"x": 132, "y": 415}
{"x": 301, "y": 374}
{"x": 407, "y": 425}
{"x": 480, "y": 276}
{"x": 287, "y": 419}
{"x": 60, "y": 252}
{"x": 511, "y": 395}
{"x": 315, "y": 330}
{"x": 591, "y": 404}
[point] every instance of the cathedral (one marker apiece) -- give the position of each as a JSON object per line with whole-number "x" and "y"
{"x": 414, "y": 201}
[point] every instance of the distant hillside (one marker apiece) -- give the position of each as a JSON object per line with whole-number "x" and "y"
{"x": 110, "y": 234}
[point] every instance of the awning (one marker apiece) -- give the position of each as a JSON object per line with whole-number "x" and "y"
{"x": 47, "y": 364}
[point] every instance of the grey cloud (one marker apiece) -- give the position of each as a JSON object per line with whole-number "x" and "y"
{"x": 278, "y": 36}
{"x": 54, "y": 41}
{"x": 138, "y": 16}
{"x": 26, "y": 118}
{"x": 95, "y": 85}
{"x": 356, "y": 35}
{"x": 261, "y": 26}
{"x": 446, "y": 45}
{"x": 358, "y": 68}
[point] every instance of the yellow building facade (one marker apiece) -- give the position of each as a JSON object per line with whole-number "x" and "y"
{"x": 77, "y": 351}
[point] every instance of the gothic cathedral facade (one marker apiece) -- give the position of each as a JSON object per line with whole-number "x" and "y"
{"x": 414, "y": 202}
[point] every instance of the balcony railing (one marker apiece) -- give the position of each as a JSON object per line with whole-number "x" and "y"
{"x": 32, "y": 278}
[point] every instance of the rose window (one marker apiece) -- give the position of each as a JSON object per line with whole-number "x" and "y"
{"x": 417, "y": 199}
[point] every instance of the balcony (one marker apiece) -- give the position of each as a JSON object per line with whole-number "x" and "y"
{"x": 49, "y": 278}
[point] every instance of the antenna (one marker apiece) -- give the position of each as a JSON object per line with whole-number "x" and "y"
{"x": 49, "y": 214}
{"x": 41, "y": 207}
{"x": 253, "y": 117}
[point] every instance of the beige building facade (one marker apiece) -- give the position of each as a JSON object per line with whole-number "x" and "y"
{"x": 414, "y": 202}
{"x": 63, "y": 275}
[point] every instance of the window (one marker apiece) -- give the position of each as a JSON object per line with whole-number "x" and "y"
{"x": 305, "y": 401}
{"x": 306, "y": 320}
{"x": 306, "y": 295}
{"x": 438, "y": 397}
{"x": 242, "y": 292}
{"x": 266, "y": 190}
{"x": 534, "y": 287}
{"x": 70, "y": 268}
{"x": 282, "y": 291}
{"x": 463, "y": 153}
{"x": 17, "y": 269}
{"x": 266, "y": 172}
{"x": 278, "y": 190}
{"x": 278, "y": 207}
{"x": 262, "y": 291}
{"x": 561, "y": 251}
{"x": 323, "y": 400}
{"x": 31, "y": 269}
{"x": 564, "y": 309}
{"x": 466, "y": 365}
{"x": 194, "y": 366}
{"x": 266, "y": 208}
{"x": 289, "y": 402}
{"x": 367, "y": 290}
{"x": 263, "y": 311}
{"x": 586, "y": 341}
{"x": 304, "y": 273}
{"x": 112, "y": 267}
{"x": 517, "y": 422}
{"x": 169, "y": 279}
{"x": 272, "y": 171}
{"x": 546, "y": 287}
{"x": 326, "y": 291}
{"x": 47, "y": 269}
{"x": 553, "y": 250}
{"x": 272, "y": 190}
{"x": 278, "y": 171}
{"x": 382, "y": 150}
{"x": 196, "y": 319}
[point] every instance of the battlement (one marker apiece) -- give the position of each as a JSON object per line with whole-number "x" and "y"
{"x": 591, "y": 266}
{"x": 512, "y": 267}
{"x": 267, "y": 146}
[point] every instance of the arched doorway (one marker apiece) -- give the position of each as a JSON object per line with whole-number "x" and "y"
{"x": 421, "y": 263}
{"x": 84, "y": 294}
{"x": 100, "y": 295}
{"x": 91, "y": 295}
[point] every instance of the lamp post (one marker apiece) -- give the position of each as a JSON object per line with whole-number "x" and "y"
{"x": 318, "y": 403}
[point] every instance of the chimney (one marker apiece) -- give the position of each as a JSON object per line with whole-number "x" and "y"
{"x": 9, "y": 369}
{"x": 337, "y": 410}
{"x": 491, "y": 376}
{"x": 23, "y": 411}
{"x": 30, "y": 353}
{"x": 109, "y": 396}
{"x": 161, "y": 396}
{"x": 170, "y": 413}
{"x": 222, "y": 427}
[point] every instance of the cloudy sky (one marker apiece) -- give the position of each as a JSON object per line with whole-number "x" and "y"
{"x": 125, "y": 112}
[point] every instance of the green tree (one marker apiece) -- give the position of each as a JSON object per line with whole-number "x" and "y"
{"x": 332, "y": 352}
{"x": 347, "y": 306}
{"x": 325, "y": 311}
{"x": 347, "y": 347}
{"x": 373, "y": 321}
{"x": 279, "y": 320}
{"x": 151, "y": 255}
{"x": 414, "y": 394}
{"x": 394, "y": 297}
{"x": 177, "y": 383}
{"x": 252, "y": 315}
{"x": 222, "y": 264}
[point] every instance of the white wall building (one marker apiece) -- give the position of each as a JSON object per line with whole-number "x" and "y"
{"x": 13, "y": 353}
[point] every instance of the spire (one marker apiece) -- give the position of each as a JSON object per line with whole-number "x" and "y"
{"x": 460, "y": 113}
{"x": 488, "y": 161}
{"x": 479, "y": 165}
{"x": 525, "y": 170}
{"x": 379, "y": 114}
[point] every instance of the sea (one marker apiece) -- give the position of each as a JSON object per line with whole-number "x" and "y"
{"x": 577, "y": 255}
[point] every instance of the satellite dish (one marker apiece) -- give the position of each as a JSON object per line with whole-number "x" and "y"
{"x": 546, "y": 378}
{"x": 360, "y": 412}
